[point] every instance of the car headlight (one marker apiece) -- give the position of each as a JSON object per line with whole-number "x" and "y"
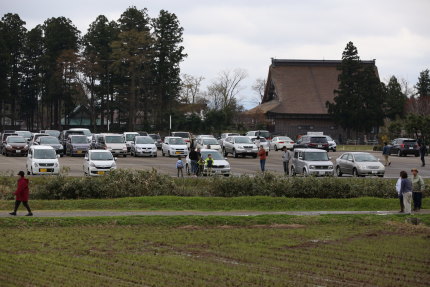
{"x": 227, "y": 166}
{"x": 240, "y": 146}
{"x": 312, "y": 167}
{"x": 8, "y": 146}
{"x": 330, "y": 167}
{"x": 92, "y": 164}
{"x": 56, "y": 164}
{"x": 124, "y": 148}
{"x": 113, "y": 164}
{"x": 35, "y": 164}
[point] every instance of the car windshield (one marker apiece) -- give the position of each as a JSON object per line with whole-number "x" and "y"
{"x": 319, "y": 139}
{"x": 315, "y": 156}
{"x": 364, "y": 157}
{"x": 144, "y": 140}
{"x": 45, "y": 154}
{"x": 53, "y": 133}
{"x": 245, "y": 140}
{"x": 329, "y": 139}
{"x": 25, "y": 134}
{"x": 79, "y": 139}
{"x": 155, "y": 137}
{"x": 409, "y": 141}
{"x": 265, "y": 134}
{"x": 114, "y": 139}
{"x": 182, "y": 135}
{"x": 15, "y": 140}
{"x": 83, "y": 131}
{"x": 177, "y": 141}
{"x": 49, "y": 140}
{"x": 69, "y": 133}
{"x": 130, "y": 137}
{"x": 215, "y": 155}
{"x": 101, "y": 156}
{"x": 210, "y": 141}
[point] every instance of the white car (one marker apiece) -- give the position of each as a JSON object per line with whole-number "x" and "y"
{"x": 280, "y": 142}
{"x": 310, "y": 161}
{"x": 115, "y": 144}
{"x": 226, "y": 135}
{"x": 129, "y": 138}
{"x": 42, "y": 160}
{"x": 98, "y": 162}
{"x": 185, "y": 135}
{"x": 220, "y": 166}
{"x": 240, "y": 145}
{"x": 208, "y": 143}
{"x": 261, "y": 142}
{"x": 331, "y": 143}
{"x": 174, "y": 146}
{"x": 143, "y": 146}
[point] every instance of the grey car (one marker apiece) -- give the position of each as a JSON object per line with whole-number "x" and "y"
{"x": 359, "y": 164}
{"x": 51, "y": 141}
{"x": 309, "y": 161}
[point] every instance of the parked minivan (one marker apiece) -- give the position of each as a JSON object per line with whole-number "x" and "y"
{"x": 42, "y": 159}
{"x": 114, "y": 143}
{"x": 309, "y": 161}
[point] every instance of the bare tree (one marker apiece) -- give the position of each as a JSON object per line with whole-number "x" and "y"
{"x": 224, "y": 90}
{"x": 258, "y": 87}
{"x": 190, "y": 89}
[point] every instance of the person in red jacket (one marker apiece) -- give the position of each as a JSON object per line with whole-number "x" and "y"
{"x": 21, "y": 194}
{"x": 262, "y": 154}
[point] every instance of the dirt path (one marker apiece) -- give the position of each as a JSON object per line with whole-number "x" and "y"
{"x": 94, "y": 213}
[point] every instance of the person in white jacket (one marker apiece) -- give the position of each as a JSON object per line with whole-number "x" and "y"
{"x": 402, "y": 206}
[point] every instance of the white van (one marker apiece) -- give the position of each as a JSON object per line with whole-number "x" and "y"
{"x": 42, "y": 160}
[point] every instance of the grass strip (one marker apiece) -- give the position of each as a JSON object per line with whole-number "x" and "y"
{"x": 248, "y": 203}
{"x": 174, "y": 221}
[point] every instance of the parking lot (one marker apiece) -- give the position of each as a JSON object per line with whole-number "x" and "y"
{"x": 239, "y": 166}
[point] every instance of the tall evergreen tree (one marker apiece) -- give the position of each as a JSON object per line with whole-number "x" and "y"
{"x": 423, "y": 85}
{"x": 13, "y": 32}
{"x": 359, "y": 100}
{"x": 395, "y": 99}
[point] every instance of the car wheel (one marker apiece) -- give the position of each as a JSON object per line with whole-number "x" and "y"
{"x": 235, "y": 154}
{"x": 293, "y": 171}
{"x": 355, "y": 173}
{"x": 276, "y": 148}
{"x": 254, "y": 156}
{"x": 305, "y": 172}
{"x": 168, "y": 153}
{"x": 124, "y": 155}
{"x": 162, "y": 153}
{"x": 338, "y": 172}
{"x": 155, "y": 155}
{"x": 380, "y": 175}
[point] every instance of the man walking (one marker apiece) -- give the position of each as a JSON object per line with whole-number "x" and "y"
{"x": 22, "y": 193}
{"x": 386, "y": 154}
{"x": 286, "y": 156}
{"x": 423, "y": 150}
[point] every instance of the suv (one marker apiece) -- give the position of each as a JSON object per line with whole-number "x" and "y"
{"x": 259, "y": 133}
{"x": 226, "y": 135}
{"x": 240, "y": 145}
{"x": 114, "y": 143}
{"x": 185, "y": 135}
{"x": 319, "y": 142}
{"x": 309, "y": 161}
{"x": 404, "y": 146}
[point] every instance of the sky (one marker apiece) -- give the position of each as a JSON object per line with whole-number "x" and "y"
{"x": 239, "y": 34}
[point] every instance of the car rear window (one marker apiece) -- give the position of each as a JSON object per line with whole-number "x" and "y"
{"x": 410, "y": 141}
{"x": 182, "y": 135}
{"x": 319, "y": 139}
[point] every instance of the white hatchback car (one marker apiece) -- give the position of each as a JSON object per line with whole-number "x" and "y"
{"x": 174, "y": 146}
{"x": 208, "y": 143}
{"x": 42, "y": 160}
{"x": 143, "y": 146}
{"x": 98, "y": 162}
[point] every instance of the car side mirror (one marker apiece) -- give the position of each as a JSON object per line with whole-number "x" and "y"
{"x": 329, "y": 157}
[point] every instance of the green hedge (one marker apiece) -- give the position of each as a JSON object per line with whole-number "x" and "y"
{"x": 132, "y": 183}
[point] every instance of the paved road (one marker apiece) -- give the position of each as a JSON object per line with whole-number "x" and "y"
{"x": 199, "y": 213}
{"x": 239, "y": 166}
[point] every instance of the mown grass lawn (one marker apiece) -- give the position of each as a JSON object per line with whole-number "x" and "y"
{"x": 362, "y": 250}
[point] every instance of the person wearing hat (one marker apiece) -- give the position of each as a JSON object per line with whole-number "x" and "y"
{"x": 21, "y": 194}
{"x": 417, "y": 189}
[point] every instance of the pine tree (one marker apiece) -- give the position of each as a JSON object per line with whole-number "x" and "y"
{"x": 395, "y": 100}
{"x": 423, "y": 85}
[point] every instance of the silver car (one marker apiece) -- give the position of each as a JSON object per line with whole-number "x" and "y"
{"x": 359, "y": 164}
{"x": 308, "y": 161}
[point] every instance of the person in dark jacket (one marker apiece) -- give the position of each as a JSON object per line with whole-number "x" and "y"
{"x": 406, "y": 191}
{"x": 21, "y": 194}
{"x": 423, "y": 150}
{"x": 194, "y": 157}
{"x": 386, "y": 154}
